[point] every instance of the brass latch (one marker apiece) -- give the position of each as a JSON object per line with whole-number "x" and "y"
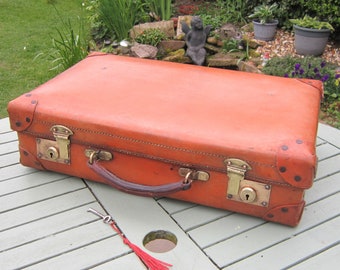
{"x": 236, "y": 170}
{"x": 195, "y": 175}
{"x": 58, "y": 150}
{"x": 243, "y": 190}
{"x": 98, "y": 154}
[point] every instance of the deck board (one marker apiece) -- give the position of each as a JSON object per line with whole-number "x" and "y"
{"x": 46, "y": 226}
{"x": 45, "y": 223}
{"x": 281, "y": 255}
{"x": 243, "y": 245}
{"x": 328, "y": 258}
{"x": 42, "y": 209}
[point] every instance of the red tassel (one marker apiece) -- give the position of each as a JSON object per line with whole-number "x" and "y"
{"x": 151, "y": 262}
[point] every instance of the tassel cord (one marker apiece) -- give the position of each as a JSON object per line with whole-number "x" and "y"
{"x": 150, "y": 262}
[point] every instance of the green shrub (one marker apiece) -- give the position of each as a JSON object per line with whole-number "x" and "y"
{"x": 98, "y": 29}
{"x": 265, "y": 13}
{"x": 161, "y": 8}
{"x": 69, "y": 46}
{"x": 220, "y": 12}
{"x": 119, "y": 16}
{"x": 327, "y": 10}
{"x": 308, "y": 67}
{"x": 309, "y": 22}
{"x": 151, "y": 37}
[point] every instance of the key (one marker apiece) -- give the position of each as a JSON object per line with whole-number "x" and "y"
{"x": 105, "y": 218}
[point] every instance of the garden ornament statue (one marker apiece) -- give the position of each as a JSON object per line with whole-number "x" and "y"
{"x": 195, "y": 39}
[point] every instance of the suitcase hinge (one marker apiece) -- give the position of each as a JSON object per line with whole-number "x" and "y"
{"x": 236, "y": 170}
{"x": 58, "y": 150}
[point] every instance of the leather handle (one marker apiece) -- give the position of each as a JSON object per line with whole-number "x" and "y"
{"x": 137, "y": 189}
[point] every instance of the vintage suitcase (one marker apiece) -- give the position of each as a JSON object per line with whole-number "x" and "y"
{"x": 228, "y": 139}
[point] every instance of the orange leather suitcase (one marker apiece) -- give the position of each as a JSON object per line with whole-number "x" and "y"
{"x": 227, "y": 139}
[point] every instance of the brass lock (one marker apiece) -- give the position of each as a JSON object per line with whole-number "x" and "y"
{"x": 57, "y": 150}
{"x": 244, "y": 190}
{"x": 248, "y": 194}
{"x": 53, "y": 153}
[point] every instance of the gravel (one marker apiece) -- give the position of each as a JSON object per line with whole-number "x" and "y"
{"x": 283, "y": 45}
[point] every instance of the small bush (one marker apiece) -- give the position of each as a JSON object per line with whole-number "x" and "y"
{"x": 119, "y": 16}
{"x": 160, "y": 8}
{"x": 220, "y": 12}
{"x": 151, "y": 36}
{"x": 308, "y": 67}
{"x": 70, "y": 45}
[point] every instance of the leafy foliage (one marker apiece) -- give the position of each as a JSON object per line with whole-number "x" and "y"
{"x": 151, "y": 37}
{"x": 98, "y": 29}
{"x": 119, "y": 16}
{"x": 70, "y": 46}
{"x": 308, "y": 67}
{"x": 161, "y": 8}
{"x": 220, "y": 12}
{"x": 312, "y": 68}
{"x": 265, "y": 13}
{"x": 309, "y": 22}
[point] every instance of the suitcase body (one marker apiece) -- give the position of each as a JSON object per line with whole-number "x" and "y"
{"x": 227, "y": 139}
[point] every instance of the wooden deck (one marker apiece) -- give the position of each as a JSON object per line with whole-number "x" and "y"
{"x": 45, "y": 223}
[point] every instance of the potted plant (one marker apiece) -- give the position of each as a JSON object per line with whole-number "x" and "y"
{"x": 311, "y": 35}
{"x": 264, "y": 21}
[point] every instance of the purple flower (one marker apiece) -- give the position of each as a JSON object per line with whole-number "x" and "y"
{"x": 323, "y": 64}
{"x": 301, "y": 71}
{"x": 325, "y": 78}
{"x": 309, "y": 65}
{"x": 297, "y": 66}
{"x": 293, "y": 73}
{"x": 286, "y": 75}
{"x": 316, "y": 70}
{"x": 337, "y": 76}
{"x": 317, "y": 76}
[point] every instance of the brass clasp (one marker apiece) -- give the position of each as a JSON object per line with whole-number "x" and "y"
{"x": 97, "y": 154}
{"x": 194, "y": 175}
{"x": 236, "y": 170}
{"x": 243, "y": 190}
{"x": 58, "y": 150}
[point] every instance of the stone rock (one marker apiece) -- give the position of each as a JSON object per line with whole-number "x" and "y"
{"x": 211, "y": 49}
{"x": 212, "y": 40}
{"x": 253, "y": 43}
{"x": 177, "y": 56}
{"x": 123, "y": 50}
{"x": 144, "y": 51}
{"x": 224, "y": 59}
{"x": 170, "y": 45}
{"x": 248, "y": 67}
{"x": 165, "y": 26}
{"x": 228, "y": 31}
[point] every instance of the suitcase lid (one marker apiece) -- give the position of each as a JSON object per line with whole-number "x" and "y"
{"x": 182, "y": 114}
